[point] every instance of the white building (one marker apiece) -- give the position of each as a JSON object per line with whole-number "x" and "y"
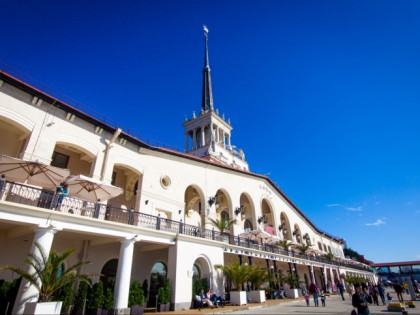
{"x": 161, "y": 219}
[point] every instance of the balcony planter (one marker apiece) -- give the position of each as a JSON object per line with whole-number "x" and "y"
{"x": 43, "y": 308}
{"x": 257, "y": 296}
{"x": 238, "y": 298}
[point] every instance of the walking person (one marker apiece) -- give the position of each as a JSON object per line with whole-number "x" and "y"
{"x": 313, "y": 289}
{"x": 359, "y": 302}
{"x": 399, "y": 289}
{"x": 381, "y": 292}
{"x": 374, "y": 294}
{"x": 323, "y": 298}
{"x": 340, "y": 287}
{"x": 306, "y": 295}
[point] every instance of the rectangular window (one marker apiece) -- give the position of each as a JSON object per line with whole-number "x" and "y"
{"x": 395, "y": 269}
{"x": 416, "y": 268}
{"x": 405, "y": 269}
{"x": 60, "y": 160}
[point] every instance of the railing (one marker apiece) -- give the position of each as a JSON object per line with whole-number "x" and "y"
{"x": 47, "y": 199}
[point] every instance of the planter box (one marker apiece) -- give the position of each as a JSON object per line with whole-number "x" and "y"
{"x": 257, "y": 296}
{"x": 292, "y": 293}
{"x": 137, "y": 310}
{"x": 238, "y": 297}
{"x": 43, "y": 308}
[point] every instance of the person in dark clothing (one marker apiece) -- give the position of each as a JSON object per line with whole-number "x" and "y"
{"x": 381, "y": 291}
{"x": 341, "y": 289}
{"x": 399, "y": 289}
{"x": 313, "y": 289}
{"x": 359, "y": 301}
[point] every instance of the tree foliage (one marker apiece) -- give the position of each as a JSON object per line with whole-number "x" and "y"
{"x": 48, "y": 277}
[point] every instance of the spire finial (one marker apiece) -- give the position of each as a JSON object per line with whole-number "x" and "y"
{"x": 207, "y": 94}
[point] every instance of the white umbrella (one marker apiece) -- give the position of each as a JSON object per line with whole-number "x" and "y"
{"x": 261, "y": 234}
{"x": 31, "y": 172}
{"x": 91, "y": 189}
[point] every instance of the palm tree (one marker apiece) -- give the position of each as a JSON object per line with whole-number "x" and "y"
{"x": 329, "y": 256}
{"x": 285, "y": 244}
{"x": 292, "y": 280}
{"x": 48, "y": 277}
{"x": 235, "y": 272}
{"x": 223, "y": 224}
{"x": 257, "y": 276}
{"x": 303, "y": 248}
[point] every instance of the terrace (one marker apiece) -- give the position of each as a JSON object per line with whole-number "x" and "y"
{"x": 46, "y": 199}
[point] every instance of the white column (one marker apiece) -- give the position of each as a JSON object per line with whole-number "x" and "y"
{"x": 217, "y": 134}
{"x": 229, "y": 141}
{"x": 194, "y": 139}
{"x": 44, "y": 236}
{"x": 333, "y": 286}
{"x": 203, "y": 139}
{"x": 312, "y": 274}
{"x": 122, "y": 283}
{"x": 324, "y": 270}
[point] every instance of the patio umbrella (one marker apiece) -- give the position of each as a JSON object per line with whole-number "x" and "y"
{"x": 91, "y": 189}
{"x": 31, "y": 172}
{"x": 260, "y": 234}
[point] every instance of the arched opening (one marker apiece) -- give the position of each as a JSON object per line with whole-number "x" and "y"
{"x": 130, "y": 181}
{"x": 109, "y": 273}
{"x": 201, "y": 276}
{"x": 267, "y": 219}
{"x": 248, "y": 226}
{"x": 14, "y": 138}
{"x": 157, "y": 278}
{"x": 246, "y": 211}
{"x": 194, "y": 209}
{"x": 78, "y": 160}
{"x": 285, "y": 227}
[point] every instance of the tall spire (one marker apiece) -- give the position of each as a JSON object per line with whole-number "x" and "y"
{"x": 207, "y": 96}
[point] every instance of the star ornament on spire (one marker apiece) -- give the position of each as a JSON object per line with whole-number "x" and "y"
{"x": 206, "y": 30}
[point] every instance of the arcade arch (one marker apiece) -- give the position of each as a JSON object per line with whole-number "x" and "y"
{"x": 14, "y": 138}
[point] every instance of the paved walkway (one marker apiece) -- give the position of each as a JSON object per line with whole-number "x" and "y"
{"x": 334, "y": 305}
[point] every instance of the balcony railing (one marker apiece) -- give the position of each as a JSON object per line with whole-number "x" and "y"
{"x": 47, "y": 199}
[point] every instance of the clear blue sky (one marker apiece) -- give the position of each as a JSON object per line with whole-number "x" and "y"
{"x": 323, "y": 95}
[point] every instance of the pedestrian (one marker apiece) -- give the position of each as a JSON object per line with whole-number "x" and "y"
{"x": 340, "y": 287}
{"x": 306, "y": 296}
{"x": 313, "y": 289}
{"x": 381, "y": 292}
{"x": 373, "y": 293}
{"x": 358, "y": 301}
{"x": 323, "y": 298}
{"x": 399, "y": 289}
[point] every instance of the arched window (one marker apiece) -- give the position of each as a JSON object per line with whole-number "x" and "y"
{"x": 109, "y": 273}
{"x": 157, "y": 279}
{"x": 196, "y": 272}
{"x": 248, "y": 225}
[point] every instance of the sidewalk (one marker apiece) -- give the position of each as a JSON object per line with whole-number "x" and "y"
{"x": 334, "y": 305}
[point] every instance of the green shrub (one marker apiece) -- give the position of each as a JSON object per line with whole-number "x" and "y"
{"x": 136, "y": 295}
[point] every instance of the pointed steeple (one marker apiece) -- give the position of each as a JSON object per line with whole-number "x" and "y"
{"x": 207, "y": 93}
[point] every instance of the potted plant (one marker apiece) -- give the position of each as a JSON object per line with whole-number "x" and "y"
{"x": 223, "y": 224}
{"x": 96, "y": 299}
{"x": 81, "y": 298}
{"x": 66, "y": 295}
{"x": 303, "y": 249}
{"x": 136, "y": 298}
{"x": 328, "y": 256}
{"x": 168, "y": 294}
{"x": 47, "y": 277}
{"x": 285, "y": 244}
{"x": 257, "y": 276}
{"x": 108, "y": 301}
{"x": 238, "y": 274}
{"x": 293, "y": 282}
{"x": 161, "y": 307}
